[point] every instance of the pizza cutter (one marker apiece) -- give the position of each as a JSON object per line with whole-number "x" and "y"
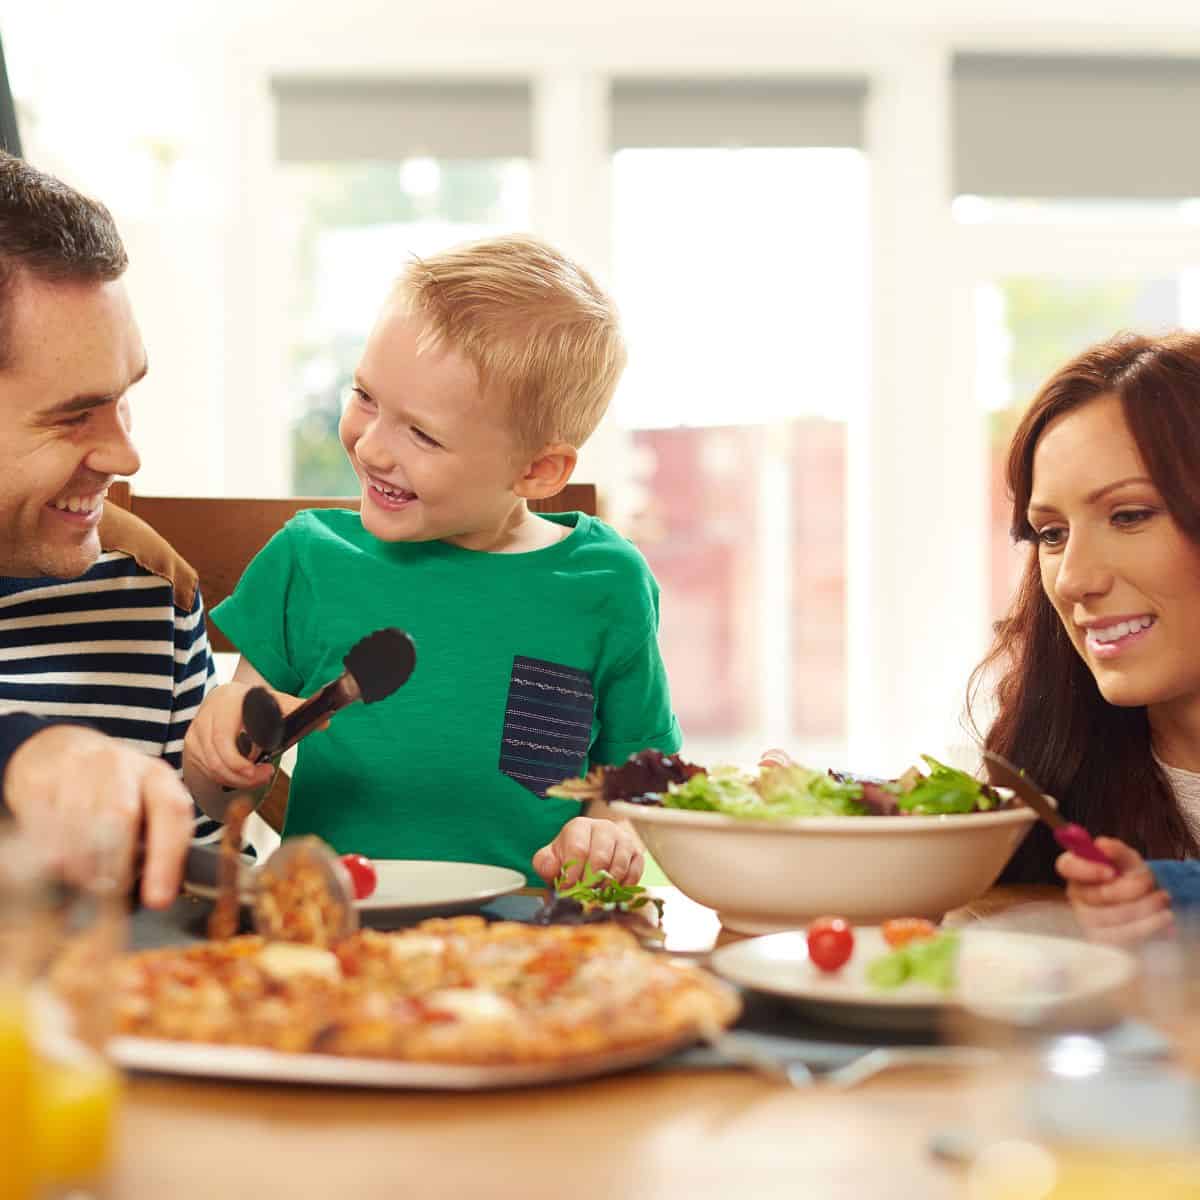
{"x": 303, "y": 893}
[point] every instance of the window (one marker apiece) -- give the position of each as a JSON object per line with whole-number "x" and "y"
{"x": 741, "y": 277}
{"x": 1027, "y": 327}
{"x": 1075, "y": 127}
{"x": 1066, "y": 241}
{"x": 373, "y": 171}
{"x": 355, "y": 226}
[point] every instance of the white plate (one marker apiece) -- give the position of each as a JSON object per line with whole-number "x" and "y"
{"x": 271, "y": 1066}
{"x": 1003, "y": 975}
{"x": 410, "y": 888}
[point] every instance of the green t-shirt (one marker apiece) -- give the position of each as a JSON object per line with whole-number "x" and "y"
{"x": 530, "y": 668}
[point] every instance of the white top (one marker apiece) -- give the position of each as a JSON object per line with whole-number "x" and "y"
{"x": 1186, "y": 786}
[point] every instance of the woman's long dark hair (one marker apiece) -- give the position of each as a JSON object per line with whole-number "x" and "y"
{"x": 1052, "y": 720}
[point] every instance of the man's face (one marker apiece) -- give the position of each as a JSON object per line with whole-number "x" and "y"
{"x": 64, "y": 421}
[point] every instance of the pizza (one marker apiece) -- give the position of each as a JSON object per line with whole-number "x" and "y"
{"x": 453, "y": 990}
{"x": 303, "y": 893}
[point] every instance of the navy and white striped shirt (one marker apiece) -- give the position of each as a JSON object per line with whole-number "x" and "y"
{"x": 123, "y": 648}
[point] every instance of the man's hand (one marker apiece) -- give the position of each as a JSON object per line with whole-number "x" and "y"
{"x": 603, "y": 845}
{"x": 80, "y": 792}
{"x": 1121, "y": 906}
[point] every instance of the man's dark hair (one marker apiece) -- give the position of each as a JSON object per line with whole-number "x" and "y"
{"x": 52, "y": 232}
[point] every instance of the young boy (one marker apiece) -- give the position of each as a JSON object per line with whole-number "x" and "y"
{"x": 1136, "y": 901}
{"x": 536, "y": 636}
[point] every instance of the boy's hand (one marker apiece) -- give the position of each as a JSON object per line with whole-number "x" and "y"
{"x": 603, "y": 845}
{"x": 210, "y": 749}
{"x": 1121, "y": 906}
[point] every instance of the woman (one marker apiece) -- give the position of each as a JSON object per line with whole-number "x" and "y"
{"x": 1099, "y": 658}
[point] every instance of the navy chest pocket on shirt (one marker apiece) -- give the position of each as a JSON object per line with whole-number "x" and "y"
{"x": 547, "y": 723}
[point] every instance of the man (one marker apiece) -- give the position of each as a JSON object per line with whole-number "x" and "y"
{"x": 103, "y": 652}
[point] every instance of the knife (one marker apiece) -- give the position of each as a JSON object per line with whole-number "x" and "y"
{"x": 1067, "y": 834}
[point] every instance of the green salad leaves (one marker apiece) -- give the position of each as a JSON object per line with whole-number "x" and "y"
{"x": 933, "y": 961}
{"x": 599, "y": 891}
{"x": 796, "y": 791}
{"x": 777, "y": 792}
{"x": 946, "y": 790}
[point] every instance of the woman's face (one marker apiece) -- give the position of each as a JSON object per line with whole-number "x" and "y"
{"x": 1121, "y": 574}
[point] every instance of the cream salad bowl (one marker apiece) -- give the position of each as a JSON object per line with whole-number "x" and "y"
{"x": 764, "y": 876}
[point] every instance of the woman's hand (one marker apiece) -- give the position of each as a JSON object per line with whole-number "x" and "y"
{"x": 603, "y": 845}
{"x": 1119, "y": 906}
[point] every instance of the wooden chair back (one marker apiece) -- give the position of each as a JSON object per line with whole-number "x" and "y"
{"x": 219, "y": 535}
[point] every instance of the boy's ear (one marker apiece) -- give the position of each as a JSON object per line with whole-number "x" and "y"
{"x": 547, "y": 473}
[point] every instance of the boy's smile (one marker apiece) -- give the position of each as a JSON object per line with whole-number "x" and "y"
{"x": 432, "y": 452}
{"x": 387, "y": 496}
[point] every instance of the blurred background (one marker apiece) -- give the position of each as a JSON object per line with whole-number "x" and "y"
{"x": 848, "y": 241}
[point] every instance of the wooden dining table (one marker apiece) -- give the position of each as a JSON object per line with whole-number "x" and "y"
{"x": 657, "y": 1133}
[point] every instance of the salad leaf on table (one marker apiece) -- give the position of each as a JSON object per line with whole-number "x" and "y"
{"x": 594, "y": 896}
{"x": 598, "y": 889}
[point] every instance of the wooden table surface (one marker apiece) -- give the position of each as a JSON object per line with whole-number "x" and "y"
{"x": 646, "y": 1135}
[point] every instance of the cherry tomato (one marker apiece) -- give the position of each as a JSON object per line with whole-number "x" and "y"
{"x": 902, "y": 930}
{"x": 830, "y": 943}
{"x": 362, "y": 874}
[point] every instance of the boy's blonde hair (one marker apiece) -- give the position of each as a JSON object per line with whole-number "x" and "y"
{"x": 535, "y": 325}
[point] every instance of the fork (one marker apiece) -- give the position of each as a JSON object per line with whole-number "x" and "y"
{"x": 799, "y": 1074}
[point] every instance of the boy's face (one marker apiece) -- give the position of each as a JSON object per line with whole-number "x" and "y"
{"x": 432, "y": 454}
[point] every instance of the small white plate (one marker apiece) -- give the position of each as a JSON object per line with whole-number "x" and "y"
{"x": 241, "y": 1062}
{"x": 410, "y": 889}
{"x": 1002, "y": 975}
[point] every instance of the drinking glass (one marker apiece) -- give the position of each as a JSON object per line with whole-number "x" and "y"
{"x": 59, "y": 941}
{"x": 1092, "y": 1099}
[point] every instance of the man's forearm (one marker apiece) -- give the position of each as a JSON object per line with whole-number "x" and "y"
{"x": 16, "y": 729}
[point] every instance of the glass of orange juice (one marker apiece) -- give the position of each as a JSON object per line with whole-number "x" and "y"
{"x": 16, "y": 1089}
{"x": 18, "y": 891}
{"x": 59, "y": 943}
{"x": 1090, "y": 1095}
